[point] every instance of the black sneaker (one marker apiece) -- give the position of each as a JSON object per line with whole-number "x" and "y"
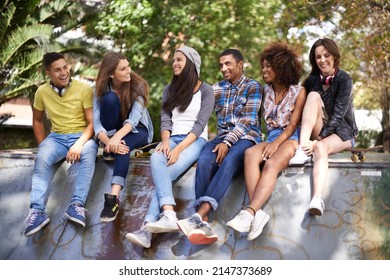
{"x": 108, "y": 156}
{"x": 111, "y": 208}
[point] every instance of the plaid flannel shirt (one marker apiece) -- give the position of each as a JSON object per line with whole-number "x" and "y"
{"x": 237, "y": 106}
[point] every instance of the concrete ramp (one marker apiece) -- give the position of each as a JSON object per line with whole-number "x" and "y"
{"x": 355, "y": 224}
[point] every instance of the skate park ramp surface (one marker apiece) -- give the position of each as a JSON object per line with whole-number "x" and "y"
{"x": 355, "y": 224}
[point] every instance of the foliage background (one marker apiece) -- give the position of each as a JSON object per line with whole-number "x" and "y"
{"x": 148, "y": 31}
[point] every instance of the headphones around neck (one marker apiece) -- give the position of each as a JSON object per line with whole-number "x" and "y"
{"x": 60, "y": 91}
{"x": 328, "y": 80}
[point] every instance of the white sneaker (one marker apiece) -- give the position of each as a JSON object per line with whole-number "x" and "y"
{"x": 300, "y": 157}
{"x": 141, "y": 237}
{"x": 316, "y": 206}
{"x": 258, "y": 223}
{"x": 241, "y": 222}
{"x": 166, "y": 223}
{"x": 189, "y": 224}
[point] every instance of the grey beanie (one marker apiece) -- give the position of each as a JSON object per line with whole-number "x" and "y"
{"x": 192, "y": 55}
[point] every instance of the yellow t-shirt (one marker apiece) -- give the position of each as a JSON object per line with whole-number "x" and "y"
{"x": 66, "y": 113}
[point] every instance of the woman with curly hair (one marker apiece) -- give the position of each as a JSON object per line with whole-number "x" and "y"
{"x": 283, "y": 105}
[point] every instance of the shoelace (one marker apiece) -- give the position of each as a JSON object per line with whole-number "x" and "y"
{"x": 202, "y": 224}
{"x": 163, "y": 216}
{"x": 80, "y": 210}
{"x": 142, "y": 232}
{"x": 31, "y": 217}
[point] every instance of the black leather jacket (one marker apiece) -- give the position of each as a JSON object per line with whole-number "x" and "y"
{"x": 338, "y": 104}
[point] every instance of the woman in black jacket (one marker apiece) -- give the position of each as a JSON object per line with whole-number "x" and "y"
{"x": 328, "y": 121}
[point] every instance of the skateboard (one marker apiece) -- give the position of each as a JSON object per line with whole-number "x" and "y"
{"x": 360, "y": 153}
{"x": 145, "y": 151}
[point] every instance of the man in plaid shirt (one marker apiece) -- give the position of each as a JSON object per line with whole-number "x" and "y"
{"x": 237, "y": 103}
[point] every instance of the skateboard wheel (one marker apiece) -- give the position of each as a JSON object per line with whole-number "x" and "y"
{"x": 355, "y": 158}
{"x": 362, "y": 158}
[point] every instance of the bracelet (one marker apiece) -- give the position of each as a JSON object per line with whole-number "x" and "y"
{"x": 254, "y": 211}
{"x": 227, "y": 143}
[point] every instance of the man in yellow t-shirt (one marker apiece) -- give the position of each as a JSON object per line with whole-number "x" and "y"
{"x": 68, "y": 104}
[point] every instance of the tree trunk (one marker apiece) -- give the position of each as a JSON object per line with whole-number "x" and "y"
{"x": 386, "y": 118}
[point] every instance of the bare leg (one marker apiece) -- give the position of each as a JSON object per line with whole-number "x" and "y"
{"x": 204, "y": 210}
{"x": 272, "y": 168}
{"x": 311, "y": 117}
{"x": 116, "y": 189}
{"x": 327, "y": 146}
{"x": 253, "y": 160}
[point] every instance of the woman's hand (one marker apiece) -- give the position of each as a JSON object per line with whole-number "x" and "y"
{"x": 269, "y": 150}
{"x": 163, "y": 148}
{"x": 173, "y": 156}
{"x": 117, "y": 146}
{"x": 308, "y": 146}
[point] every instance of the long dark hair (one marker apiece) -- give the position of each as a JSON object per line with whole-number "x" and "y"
{"x": 181, "y": 88}
{"x": 332, "y": 48}
{"x": 129, "y": 91}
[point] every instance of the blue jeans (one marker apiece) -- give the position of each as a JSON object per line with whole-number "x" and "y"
{"x": 164, "y": 174}
{"x": 111, "y": 120}
{"x": 275, "y": 133}
{"x": 211, "y": 180}
{"x": 53, "y": 149}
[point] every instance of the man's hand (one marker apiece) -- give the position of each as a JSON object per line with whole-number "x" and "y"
{"x": 74, "y": 153}
{"x": 222, "y": 150}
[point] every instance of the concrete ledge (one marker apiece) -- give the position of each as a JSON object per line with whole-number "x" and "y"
{"x": 355, "y": 224}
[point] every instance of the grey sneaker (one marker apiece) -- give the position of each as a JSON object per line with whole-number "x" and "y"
{"x": 35, "y": 220}
{"x": 300, "y": 157}
{"x": 260, "y": 220}
{"x": 241, "y": 222}
{"x": 316, "y": 206}
{"x": 166, "y": 223}
{"x": 141, "y": 237}
{"x": 189, "y": 224}
{"x": 76, "y": 213}
{"x": 202, "y": 235}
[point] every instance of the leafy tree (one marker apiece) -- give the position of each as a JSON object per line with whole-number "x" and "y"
{"x": 366, "y": 25}
{"x": 20, "y": 48}
{"x": 361, "y": 29}
{"x": 28, "y": 29}
{"x": 148, "y": 31}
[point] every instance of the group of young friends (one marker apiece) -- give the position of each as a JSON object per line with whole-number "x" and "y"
{"x": 303, "y": 122}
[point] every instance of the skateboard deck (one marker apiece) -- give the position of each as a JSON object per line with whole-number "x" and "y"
{"x": 360, "y": 153}
{"x": 146, "y": 150}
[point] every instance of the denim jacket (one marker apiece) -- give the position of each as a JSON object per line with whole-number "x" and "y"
{"x": 138, "y": 114}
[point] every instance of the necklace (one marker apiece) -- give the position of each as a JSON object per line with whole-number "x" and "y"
{"x": 279, "y": 95}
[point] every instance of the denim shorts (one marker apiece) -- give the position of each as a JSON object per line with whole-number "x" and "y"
{"x": 274, "y": 133}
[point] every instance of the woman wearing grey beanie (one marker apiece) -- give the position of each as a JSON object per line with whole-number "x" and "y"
{"x": 187, "y": 105}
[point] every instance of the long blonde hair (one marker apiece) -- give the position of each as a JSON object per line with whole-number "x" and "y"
{"x": 129, "y": 91}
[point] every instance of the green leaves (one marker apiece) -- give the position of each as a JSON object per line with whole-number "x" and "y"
{"x": 20, "y": 37}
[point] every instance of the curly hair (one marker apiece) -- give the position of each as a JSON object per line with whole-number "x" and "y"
{"x": 284, "y": 61}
